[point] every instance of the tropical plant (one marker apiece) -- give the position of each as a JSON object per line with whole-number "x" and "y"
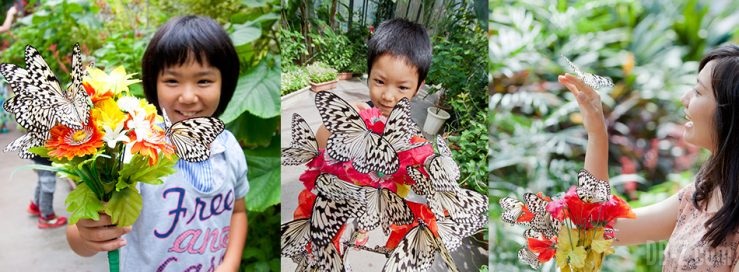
{"x": 320, "y": 72}
{"x": 332, "y": 48}
{"x": 293, "y": 79}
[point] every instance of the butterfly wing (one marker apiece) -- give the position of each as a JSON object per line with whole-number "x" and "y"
{"x": 334, "y": 188}
{"x": 400, "y": 128}
{"x": 444, "y": 172}
{"x": 328, "y": 258}
{"x": 328, "y": 217}
{"x": 528, "y": 257}
{"x": 394, "y": 210}
{"x": 512, "y": 209}
{"x": 25, "y": 142}
{"x": 461, "y": 203}
{"x": 295, "y": 237}
{"x": 192, "y": 137}
{"x": 594, "y": 81}
{"x": 452, "y": 231}
{"x": 350, "y": 139}
{"x": 416, "y": 252}
{"x": 303, "y": 147}
{"x": 422, "y": 185}
{"x": 77, "y": 109}
{"x": 590, "y": 189}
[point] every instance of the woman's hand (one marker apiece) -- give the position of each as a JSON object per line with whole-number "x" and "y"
{"x": 589, "y": 102}
{"x": 596, "y": 154}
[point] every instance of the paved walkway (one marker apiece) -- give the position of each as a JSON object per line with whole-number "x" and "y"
{"x": 468, "y": 256}
{"x": 24, "y": 247}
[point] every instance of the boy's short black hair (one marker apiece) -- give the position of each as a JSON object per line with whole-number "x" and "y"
{"x": 183, "y": 38}
{"x": 401, "y": 38}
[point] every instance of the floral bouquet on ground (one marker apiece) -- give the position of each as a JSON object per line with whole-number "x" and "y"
{"x": 575, "y": 229}
{"x": 371, "y": 167}
{"x": 99, "y": 135}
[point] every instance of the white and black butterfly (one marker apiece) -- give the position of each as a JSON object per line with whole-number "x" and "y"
{"x": 336, "y": 202}
{"x": 303, "y": 147}
{"x": 459, "y": 203}
{"x": 591, "y": 189}
{"x": 594, "y": 81}
{"x": 295, "y": 238}
{"x": 40, "y": 102}
{"x": 192, "y": 137}
{"x": 512, "y": 209}
{"x": 350, "y": 139}
{"x": 452, "y": 231}
{"x": 543, "y": 221}
{"x": 442, "y": 168}
{"x": 383, "y": 209}
{"x": 417, "y": 251}
{"x": 528, "y": 257}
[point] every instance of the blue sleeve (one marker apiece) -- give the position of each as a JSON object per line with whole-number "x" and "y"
{"x": 237, "y": 160}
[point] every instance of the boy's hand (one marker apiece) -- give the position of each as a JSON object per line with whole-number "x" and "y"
{"x": 101, "y": 235}
{"x": 589, "y": 102}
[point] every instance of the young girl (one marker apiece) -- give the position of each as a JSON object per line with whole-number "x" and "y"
{"x": 700, "y": 222}
{"x": 196, "y": 220}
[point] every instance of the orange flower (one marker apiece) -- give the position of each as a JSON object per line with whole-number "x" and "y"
{"x": 147, "y": 139}
{"x": 95, "y": 95}
{"x": 68, "y": 143}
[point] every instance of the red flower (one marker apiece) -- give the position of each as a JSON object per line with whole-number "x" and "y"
{"x": 68, "y": 143}
{"x": 544, "y": 248}
{"x": 419, "y": 211}
{"x": 586, "y": 215}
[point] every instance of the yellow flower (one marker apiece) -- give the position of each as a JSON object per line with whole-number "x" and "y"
{"x": 117, "y": 81}
{"x": 107, "y": 114}
{"x": 570, "y": 252}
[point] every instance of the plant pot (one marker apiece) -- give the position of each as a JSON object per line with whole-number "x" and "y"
{"x": 323, "y": 86}
{"x": 344, "y": 76}
{"x": 434, "y": 120}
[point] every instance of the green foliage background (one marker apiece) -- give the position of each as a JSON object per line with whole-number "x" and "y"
{"x": 113, "y": 33}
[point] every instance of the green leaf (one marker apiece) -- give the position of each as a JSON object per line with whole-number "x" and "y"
{"x": 258, "y": 92}
{"x": 82, "y": 203}
{"x": 124, "y": 206}
{"x": 253, "y": 131}
{"x": 264, "y": 176}
{"x": 138, "y": 170}
{"x": 245, "y": 33}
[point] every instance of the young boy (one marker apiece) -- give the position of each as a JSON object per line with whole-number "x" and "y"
{"x": 398, "y": 60}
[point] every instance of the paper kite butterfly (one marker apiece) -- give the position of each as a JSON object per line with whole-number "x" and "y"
{"x": 192, "y": 137}
{"x": 591, "y": 189}
{"x": 303, "y": 147}
{"x": 350, "y": 139}
{"x": 594, "y": 81}
{"x": 40, "y": 102}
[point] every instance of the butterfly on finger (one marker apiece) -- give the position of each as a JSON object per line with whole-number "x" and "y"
{"x": 192, "y": 137}
{"x": 303, "y": 147}
{"x": 351, "y": 140}
{"x": 594, "y": 81}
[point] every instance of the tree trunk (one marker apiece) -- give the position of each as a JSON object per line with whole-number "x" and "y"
{"x": 332, "y": 15}
{"x": 305, "y": 28}
{"x": 351, "y": 15}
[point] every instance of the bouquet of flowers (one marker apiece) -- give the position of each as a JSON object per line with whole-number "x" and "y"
{"x": 575, "y": 229}
{"x": 99, "y": 136}
{"x": 369, "y": 167}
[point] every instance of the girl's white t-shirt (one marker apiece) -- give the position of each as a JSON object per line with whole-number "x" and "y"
{"x": 184, "y": 223}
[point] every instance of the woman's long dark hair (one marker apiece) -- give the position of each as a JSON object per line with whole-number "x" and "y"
{"x": 722, "y": 169}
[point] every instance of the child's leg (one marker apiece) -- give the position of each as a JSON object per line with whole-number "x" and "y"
{"x": 47, "y": 185}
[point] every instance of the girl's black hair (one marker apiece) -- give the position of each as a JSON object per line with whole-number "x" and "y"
{"x": 190, "y": 37}
{"x": 722, "y": 168}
